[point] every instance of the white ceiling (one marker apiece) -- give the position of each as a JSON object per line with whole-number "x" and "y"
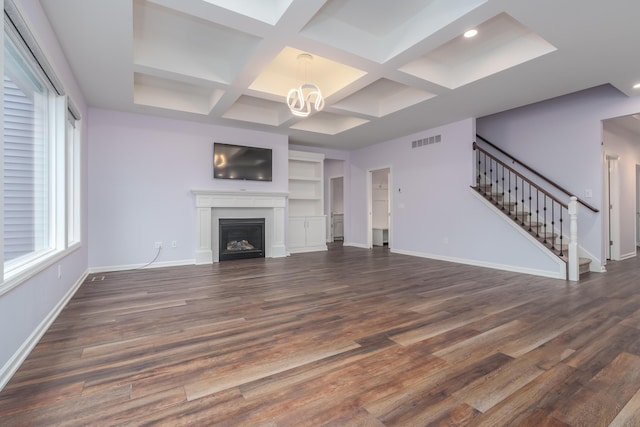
{"x": 630, "y": 124}
{"x": 387, "y": 68}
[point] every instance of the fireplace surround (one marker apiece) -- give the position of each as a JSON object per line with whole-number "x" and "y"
{"x": 211, "y": 206}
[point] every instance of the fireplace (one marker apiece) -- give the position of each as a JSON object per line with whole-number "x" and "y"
{"x": 211, "y": 206}
{"x": 241, "y": 238}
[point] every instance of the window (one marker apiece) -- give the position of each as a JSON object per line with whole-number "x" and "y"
{"x": 28, "y": 103}
{"x": 41, "y": 156}
{"x": 73, "y": 179}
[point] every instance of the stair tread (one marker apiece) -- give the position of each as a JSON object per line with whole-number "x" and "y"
{"x": 581, "y": 260}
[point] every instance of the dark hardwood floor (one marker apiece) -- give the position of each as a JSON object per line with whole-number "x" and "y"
{"x": 349, "y": 337}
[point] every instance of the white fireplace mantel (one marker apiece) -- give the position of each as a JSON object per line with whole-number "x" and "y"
{"x": 213, "y": 205}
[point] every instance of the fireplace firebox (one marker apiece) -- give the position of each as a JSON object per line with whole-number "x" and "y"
{"x": 241, "y": 238}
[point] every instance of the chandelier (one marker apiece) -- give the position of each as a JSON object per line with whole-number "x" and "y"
{"x": 301, "y": 99}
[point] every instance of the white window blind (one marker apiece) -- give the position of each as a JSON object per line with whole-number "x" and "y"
{"x": 26, "y": 160}
{"x": 41, "y": 146}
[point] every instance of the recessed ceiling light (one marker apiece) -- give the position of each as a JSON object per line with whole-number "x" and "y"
{"x": 471, "y": 33}
{"x": 636, "y": 86}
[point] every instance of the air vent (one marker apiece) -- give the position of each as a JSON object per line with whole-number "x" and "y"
{"x": 426, "y": 141}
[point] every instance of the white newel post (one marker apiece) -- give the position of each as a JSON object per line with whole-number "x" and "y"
{"x": 574, "y": 266}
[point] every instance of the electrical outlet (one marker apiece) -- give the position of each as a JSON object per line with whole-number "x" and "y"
{"x": 158, "y": 245}
{"x": 174, "y": 244}
{"x": 59, "y": 271}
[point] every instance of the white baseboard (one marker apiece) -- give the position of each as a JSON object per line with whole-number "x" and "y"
{"x": 356, "y": 245}
{"x": 178, "y": 263}
{"x": 596, "y": 265}
{"x": 627, "y": 256}
{"x": 308, "y": 249}
{"x": 19, "y": 356}
{"x": 511, "y": 268}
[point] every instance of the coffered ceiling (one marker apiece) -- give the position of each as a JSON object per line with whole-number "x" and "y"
{"x": 386, "y": 68}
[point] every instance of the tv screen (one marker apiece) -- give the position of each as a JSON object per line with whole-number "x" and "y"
{"x": 241, "y": 162}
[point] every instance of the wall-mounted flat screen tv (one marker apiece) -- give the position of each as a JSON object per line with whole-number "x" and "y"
{"x": 241, "y": 162}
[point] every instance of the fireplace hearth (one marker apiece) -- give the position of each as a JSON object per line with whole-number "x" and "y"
{"x": 241, "y": 238}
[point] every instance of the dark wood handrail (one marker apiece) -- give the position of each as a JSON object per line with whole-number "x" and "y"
{"x": 524, "y": 179}
{"x": 530, "y": 169}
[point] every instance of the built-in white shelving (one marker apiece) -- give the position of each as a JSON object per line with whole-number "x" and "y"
{"x": 307, "y": 222}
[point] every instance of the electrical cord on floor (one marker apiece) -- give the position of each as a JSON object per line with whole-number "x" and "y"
{"x": 101, "y": 276}
{"x": 152, "y": 261}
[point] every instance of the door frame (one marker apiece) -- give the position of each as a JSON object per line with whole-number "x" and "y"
{"x": 330, "y": 236}
{"x": 370, "y": 205}
{"x": 611, "y": 211}
{"x": 637, "y": 206}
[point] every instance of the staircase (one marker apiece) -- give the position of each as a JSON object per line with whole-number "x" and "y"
{"x": 552, "y": 240}
{"x": 537, "y": 211}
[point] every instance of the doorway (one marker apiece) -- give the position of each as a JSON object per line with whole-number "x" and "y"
{"x": 336, "y": 209}
{"x": 612, "y": 207}
{"x": 638, "y": 206}
{"x": 379, "y": 196}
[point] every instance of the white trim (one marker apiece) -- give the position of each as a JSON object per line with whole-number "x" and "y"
{"x": 614, "y": 184}
{"x": 239, "y": 203}
{"x": 254, "y": 199}
{"x": 356, "y": 245}
{"x": 21, "y": 354}
{"x": 611, "y": 198}
{"x": 636, "y": 223}
{"x": 14, "y": 273}
{"x": 370, "y": 204}
{"x": 573, "y": 266}
{"x": 107, "y": 269}
{"x": 543, "y": 249}
{"x": 330, "y": 230}
{"x": 627, "y": 256}
{"x": 31, "y": 269}
{"x": 596, "y": 265}
{"x": 511, "y": 268}
{"x": 308, "y": 249}
{"x": 369, "y": 209}
{"x": 19, "y": 24}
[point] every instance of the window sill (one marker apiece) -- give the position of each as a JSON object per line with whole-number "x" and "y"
{"x": 30, "y": 269}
